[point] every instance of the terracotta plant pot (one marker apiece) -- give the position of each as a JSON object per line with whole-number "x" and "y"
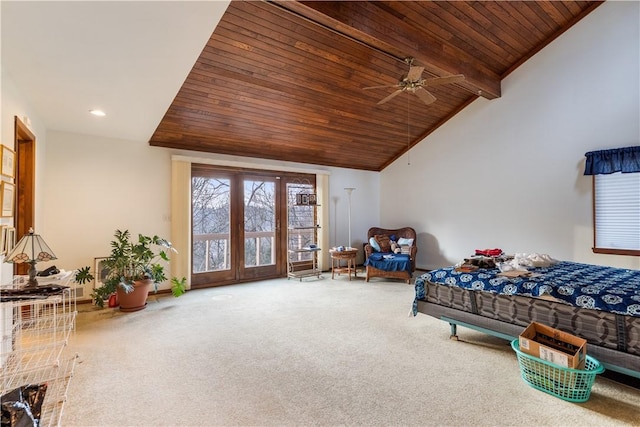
{"x": 137, "y": 299}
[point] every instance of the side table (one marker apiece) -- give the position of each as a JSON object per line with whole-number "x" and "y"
{"x": 348, "y": 255}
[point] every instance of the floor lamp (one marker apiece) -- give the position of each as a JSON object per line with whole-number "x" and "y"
{"x": 349, "y": 190}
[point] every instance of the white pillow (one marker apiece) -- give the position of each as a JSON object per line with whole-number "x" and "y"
{"x": 374, "y": 244}
{"x": 405, "y": 242}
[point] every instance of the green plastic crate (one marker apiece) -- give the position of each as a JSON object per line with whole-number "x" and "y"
{"x": 573, "y": 385}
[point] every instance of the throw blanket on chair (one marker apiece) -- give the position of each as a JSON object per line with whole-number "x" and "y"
{"x": 389, "y": 262}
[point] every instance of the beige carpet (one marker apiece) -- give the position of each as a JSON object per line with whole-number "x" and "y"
{"x": 317, "y": 352}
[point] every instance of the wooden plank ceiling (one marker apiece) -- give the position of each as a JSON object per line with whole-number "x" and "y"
{"x": 284, "y": 80}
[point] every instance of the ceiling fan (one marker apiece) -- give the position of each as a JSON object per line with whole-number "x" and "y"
{"x": 415, "y": 84}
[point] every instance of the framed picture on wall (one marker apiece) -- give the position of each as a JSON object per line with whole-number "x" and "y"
{"x": 7, "y": 162}
{"x": 7, "y": 196}
{"x": 101, "y": 272}
{"x": 9, "y": 239}
{"x": 3, "y": 237}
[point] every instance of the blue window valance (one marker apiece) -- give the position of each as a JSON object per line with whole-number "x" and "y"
{"x": 625, "y": 160}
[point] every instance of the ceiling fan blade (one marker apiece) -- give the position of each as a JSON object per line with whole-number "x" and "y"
{"x": 398, "y": 92}
{"x": 425, "y": 96}
{"x": 380, "y": 87}
{"x": 444, "y": 80}
{"x": 415, "y": 73}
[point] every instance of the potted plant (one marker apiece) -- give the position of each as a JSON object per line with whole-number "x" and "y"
{"x": 133, "y": 267}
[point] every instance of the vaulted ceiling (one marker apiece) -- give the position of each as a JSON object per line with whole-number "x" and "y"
{"x": 285, "y": 80}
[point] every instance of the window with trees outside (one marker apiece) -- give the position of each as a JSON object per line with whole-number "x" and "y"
{"x": 211, "y": 224}
{"x": 239, "y": 223}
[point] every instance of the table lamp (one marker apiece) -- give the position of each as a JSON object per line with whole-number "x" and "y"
{"x": 30, "y": 249}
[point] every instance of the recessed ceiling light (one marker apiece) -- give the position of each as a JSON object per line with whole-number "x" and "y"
{"x": 98, "y": 113}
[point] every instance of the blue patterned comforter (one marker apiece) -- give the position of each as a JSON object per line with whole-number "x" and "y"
{"x": 610, "y": 289}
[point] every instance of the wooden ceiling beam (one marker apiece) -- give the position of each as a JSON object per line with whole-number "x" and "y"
{"x": 437, "y": 59}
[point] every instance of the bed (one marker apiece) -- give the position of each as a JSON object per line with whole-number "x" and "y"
{"x": 600, "y": 304}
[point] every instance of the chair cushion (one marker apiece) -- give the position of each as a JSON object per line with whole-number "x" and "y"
{"x": 383, "y": 242}
{"x": 374, "y": 244}
{"x": 405, "y": 242}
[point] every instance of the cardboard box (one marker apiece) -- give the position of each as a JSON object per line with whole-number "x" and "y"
{"x": 553, "y": 345}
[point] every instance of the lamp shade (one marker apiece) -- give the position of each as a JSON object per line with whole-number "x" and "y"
{"x": 31, "y": 247}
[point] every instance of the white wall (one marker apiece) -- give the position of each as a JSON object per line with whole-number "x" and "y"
{"x": 96, "y": 185}
{"x": 507, "y": 173}
{"x": 365, "y": 200}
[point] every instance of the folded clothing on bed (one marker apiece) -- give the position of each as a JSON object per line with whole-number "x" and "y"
{"x": 489, "y": 252}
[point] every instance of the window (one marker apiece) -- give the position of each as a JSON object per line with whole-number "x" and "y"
{"x": 617, "y": 213}
{"x": 616, "y": 200}
{"x": 239, "y": 223}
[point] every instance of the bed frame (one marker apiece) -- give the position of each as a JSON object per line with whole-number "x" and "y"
{"x": 613, "y": 339}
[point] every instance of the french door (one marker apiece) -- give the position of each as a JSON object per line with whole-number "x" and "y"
{"x": 238, "y": 225}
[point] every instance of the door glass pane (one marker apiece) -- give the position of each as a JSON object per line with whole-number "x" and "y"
{"x": 300, "y": 219}
{"x": 211, "y": 213}
{"x": 259, "y": 223}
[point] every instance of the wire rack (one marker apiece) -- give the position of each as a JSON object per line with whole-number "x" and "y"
{"x": 35, "y": 333}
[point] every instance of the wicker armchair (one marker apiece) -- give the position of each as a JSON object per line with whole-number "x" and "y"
{"x": 407, "y": 233}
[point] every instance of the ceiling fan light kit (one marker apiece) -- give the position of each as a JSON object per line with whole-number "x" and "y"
{"x": 414, "y": 83}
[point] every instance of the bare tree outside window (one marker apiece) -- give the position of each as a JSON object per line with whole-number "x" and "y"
{"x": 259, "y": 223}
{"x": 241, "y": 228}
{"x": 210, "y": 202}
